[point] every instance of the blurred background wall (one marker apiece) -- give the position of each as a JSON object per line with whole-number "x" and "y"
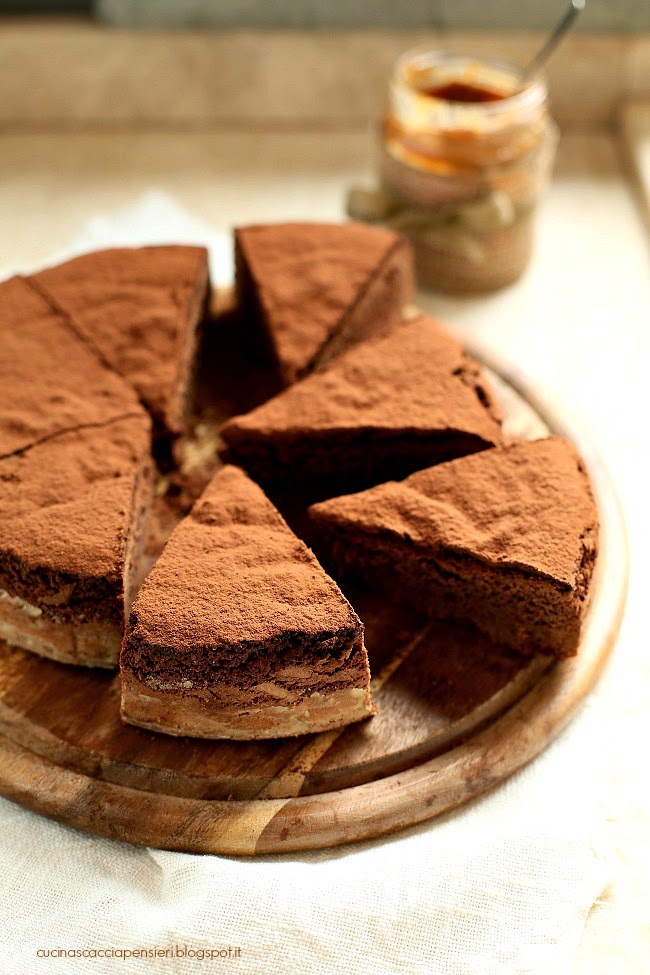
{"x": 620, "y": 15}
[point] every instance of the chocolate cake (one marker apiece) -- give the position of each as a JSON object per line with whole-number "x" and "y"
{"x": 315, "y": 289}
{"x": 238, "y": 632}
{"x": 50, "y": 381}
{"x": 139, "y": 309}
{"x": 401, "y": 401}
{"x": 73, "y": 508}
{"x": 504, "y": 539}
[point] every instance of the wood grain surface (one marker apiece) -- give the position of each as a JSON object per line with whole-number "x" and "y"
{"x": 456, "y": 716}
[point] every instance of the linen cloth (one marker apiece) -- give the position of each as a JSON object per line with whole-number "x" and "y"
{"x": 500, "y": 887}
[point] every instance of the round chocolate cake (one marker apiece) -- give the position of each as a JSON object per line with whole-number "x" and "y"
{"x": 183, "y": 491}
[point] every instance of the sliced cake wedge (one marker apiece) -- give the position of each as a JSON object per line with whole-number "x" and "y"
{"x": 238, "y": 632}
{"x": 402, "y": 401}
{"x": 316, "y": 288}
{"x": 140, "y": 309}
{"x": 505, "y": 539}
{"x": 73, "y": 514}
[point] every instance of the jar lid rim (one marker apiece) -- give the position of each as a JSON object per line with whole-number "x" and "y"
{"x": 533, "y": 94}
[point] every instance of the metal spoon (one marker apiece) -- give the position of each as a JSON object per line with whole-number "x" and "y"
{"x": 558, "y": 32}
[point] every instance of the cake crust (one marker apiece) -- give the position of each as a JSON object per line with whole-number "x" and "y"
{"x": 277, "y": 712}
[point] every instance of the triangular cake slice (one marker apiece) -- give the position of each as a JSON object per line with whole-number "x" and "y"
{"x": 316, "y": 288}
{"x": 505, "y": 539}
{"x": 402, "y": 401}
{"x": 50, "y": 381}
{"x": 70, "y": 546}
{"x": 238, "y": 632}
{"x": 140, "y": 310}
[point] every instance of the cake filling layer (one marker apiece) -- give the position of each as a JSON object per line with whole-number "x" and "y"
{"x": 241, "y": 664}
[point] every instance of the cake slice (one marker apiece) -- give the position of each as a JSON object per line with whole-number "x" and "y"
{"x": 404, "y": 400}
{"x": 50, "y": 381}
{"x": 140, "y": 310}
{"x": 73, "y": 509}
{"x": 238, "y": 632}
{"x": 316, "y": 288}
{"x": 505, "y": 539}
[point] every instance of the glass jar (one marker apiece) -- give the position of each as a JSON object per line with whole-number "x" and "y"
{"x": 465, "y": 155}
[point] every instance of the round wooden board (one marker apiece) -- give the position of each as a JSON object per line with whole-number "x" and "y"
{"x": 455, "y": 717}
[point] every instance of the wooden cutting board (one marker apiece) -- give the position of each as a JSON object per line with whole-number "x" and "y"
{"x": 453, "y": 721}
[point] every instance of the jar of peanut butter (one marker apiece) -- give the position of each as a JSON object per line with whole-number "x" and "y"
{"x": 466, "y": 152}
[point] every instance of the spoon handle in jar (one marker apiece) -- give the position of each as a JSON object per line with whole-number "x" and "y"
{"x": 560, "y": 29}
